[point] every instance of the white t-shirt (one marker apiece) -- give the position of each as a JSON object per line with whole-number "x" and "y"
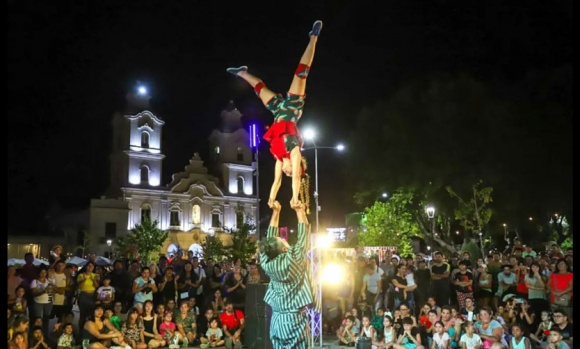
{"x": 410, "y": 277}
{"x": 472, "y": 342}
{"x": 43, "y": 298}
{"x": 440, "y": 339}
{"x": 105, "y": 291}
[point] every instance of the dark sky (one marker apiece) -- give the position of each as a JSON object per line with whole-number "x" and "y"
{"x": 70, "y": 64}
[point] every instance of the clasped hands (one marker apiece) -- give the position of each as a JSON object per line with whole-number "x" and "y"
{"x": 275, "y": 205}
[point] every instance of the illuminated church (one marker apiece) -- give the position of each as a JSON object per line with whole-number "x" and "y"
{"x": 195, "y": 203}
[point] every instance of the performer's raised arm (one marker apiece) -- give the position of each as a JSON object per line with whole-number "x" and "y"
{"x": 273, "y": 230}
{"x": 301, "y": 246}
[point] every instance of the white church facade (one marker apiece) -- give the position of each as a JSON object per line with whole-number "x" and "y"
{"x": 198, "y": 200}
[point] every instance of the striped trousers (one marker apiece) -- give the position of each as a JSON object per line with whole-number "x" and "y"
{"x": 289, "y": 330}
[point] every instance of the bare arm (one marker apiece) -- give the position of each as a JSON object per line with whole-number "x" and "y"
{"x": 301, "y": 245}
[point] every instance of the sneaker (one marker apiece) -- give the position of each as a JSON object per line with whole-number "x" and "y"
{"x": 235, "y": 71}
{"x": 316, "y": 28}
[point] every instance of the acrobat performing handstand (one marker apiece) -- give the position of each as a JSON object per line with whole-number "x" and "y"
{"x": 289, "y": 292}
{"x": 283, "y": 135}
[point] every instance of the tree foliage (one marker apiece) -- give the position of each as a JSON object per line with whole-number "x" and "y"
{"x": 391, "y": 223}
{"x": 473, "y": 212}
{"x": 213, "y": 247}
{"x": 146, "y": 237}
{"x": 243, "y": 245}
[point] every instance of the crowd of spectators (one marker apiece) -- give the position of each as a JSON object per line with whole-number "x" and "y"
{"x": 517, "y": 299}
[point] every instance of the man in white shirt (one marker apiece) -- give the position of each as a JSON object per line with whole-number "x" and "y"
{"x": 198, "y": 269}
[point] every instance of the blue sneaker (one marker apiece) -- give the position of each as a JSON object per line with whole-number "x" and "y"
{"x": 316, "y": 28}
{"x": 235, "y": 71}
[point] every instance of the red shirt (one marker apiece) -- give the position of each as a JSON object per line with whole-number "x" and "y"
{"x": 231, "y": 321}
{"x": 560, "y": 282}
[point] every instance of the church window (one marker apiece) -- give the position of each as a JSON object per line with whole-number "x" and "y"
{"x": 240, "y": 185}
{"x": 240, "y": 154}
{"x": 145, "y": 212}
{"x": 196, "y": 214}
{"x": 215, "y": 220}
{"x": 110, "y": 230}
{"x": 174, "y": 218}
{"x": 144, "y": 140}
{"x": 144, "y": 175}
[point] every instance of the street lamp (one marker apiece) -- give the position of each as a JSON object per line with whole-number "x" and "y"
{"x": 109, "y": 243}
{"x": 430, "y": 210}
{"x": 310, "y": 135}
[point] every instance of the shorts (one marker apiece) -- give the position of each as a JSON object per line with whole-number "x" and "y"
{"x": 288, "y": 108}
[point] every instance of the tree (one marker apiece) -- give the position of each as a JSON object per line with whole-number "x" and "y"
{"x": 474, "y": 213}
{"x": 85, "y": 244}
{"x": 243, "y": 245}
{"x": 392, "y": 223}
{"x": 214, "y": 248}
{"x": 146, "y": 237}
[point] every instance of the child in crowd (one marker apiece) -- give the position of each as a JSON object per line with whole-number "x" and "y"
{"x": 470, "y": 339}
{"x": 518, "y": 340}
{"x": 66, "y": 339}
{"x": 557, "y": 340}
{"x": 349, "y": 334}
{"x": 387, "y": 336}
{"x": 543, "y": 331}
{"x": 214, "y": 335}
{"x": 167, "y": 328}
{"x": 440, "y": 336}
{"x": 377, "y": 319}
{"x": 20, "y": 306}
{"x": 106, "y": 293}
{"x": 367, "y": 330}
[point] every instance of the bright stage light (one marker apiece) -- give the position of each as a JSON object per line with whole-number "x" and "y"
{"x": 323, "y": 240}
{"x": 309, "y": 134}
{"x": 332, "y": 273}
{"x": 340, "y": 147}
{"x": 142, "y": 90}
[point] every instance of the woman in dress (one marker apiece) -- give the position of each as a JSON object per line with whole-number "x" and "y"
{"x": 150, "y": 324}
{"x": 283, "y": 135}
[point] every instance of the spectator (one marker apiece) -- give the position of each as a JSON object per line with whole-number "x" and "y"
{"x": 99, "y": 333}
{"x": 143, "y": 288}
{"x": 37, "y": 341}
{"x": 214, "y": 335}
{"x": 560, "y": 287}
{"x": 150, "y": 324}
{"x": 440, "y": 278}
{"x": 186, "y": 325}
{"x": 42, "y": 290}
{"x": 564, "y": 326}
{"x": 233, "y": 322}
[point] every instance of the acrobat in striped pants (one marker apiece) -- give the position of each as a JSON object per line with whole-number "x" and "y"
{"x": 289, "y": 330}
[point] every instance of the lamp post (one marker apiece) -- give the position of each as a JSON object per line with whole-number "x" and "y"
{"x": 254, "y": 143}
{"x": 109, "y": 243}
{"x": 310, "y": 135}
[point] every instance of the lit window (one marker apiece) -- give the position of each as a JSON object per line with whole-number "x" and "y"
{"x": 240, "y": 185}
{"x": 196, "y": 214}
{"x": 174, "y": 218}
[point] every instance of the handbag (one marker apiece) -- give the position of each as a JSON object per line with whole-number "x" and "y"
{"x": 363, "y": 343}
{"x": 563, "y": 300}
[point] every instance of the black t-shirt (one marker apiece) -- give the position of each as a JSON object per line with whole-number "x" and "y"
{"x": 440, "y": 270}
{"x": 423, "y": 278}
{"x": 399, "y": 291}
{"x": 567, "y": 331}
{"x": 463, "y": 277}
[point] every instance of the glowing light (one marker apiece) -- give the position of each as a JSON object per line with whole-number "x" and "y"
{"x": 134, "y": 179}
{"x": 154, "y": 182}
{"x": 504, "y": 225}
{"x": 457, "y": 232}
{"x": 309, "y": 134}
{"x": 385, "y": 195}
{"x": 428, "y": 248}
{"x": 430, "y": 210}
{"x": 142, "y": 90}
{"x": 340, "y": 147}
{"x": 254, "y": 139}
{"x": 332, "y": 274}
{"x": 531, "y": 219}
{"x": 109, "y": 242}
{"x": 211, "y": 232}
{"x": 323, "y": 240}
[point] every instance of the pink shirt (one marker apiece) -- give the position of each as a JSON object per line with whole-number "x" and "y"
{"x": 166, "y": 326}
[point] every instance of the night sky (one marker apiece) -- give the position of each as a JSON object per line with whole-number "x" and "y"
{"x": 70, "y": 64}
